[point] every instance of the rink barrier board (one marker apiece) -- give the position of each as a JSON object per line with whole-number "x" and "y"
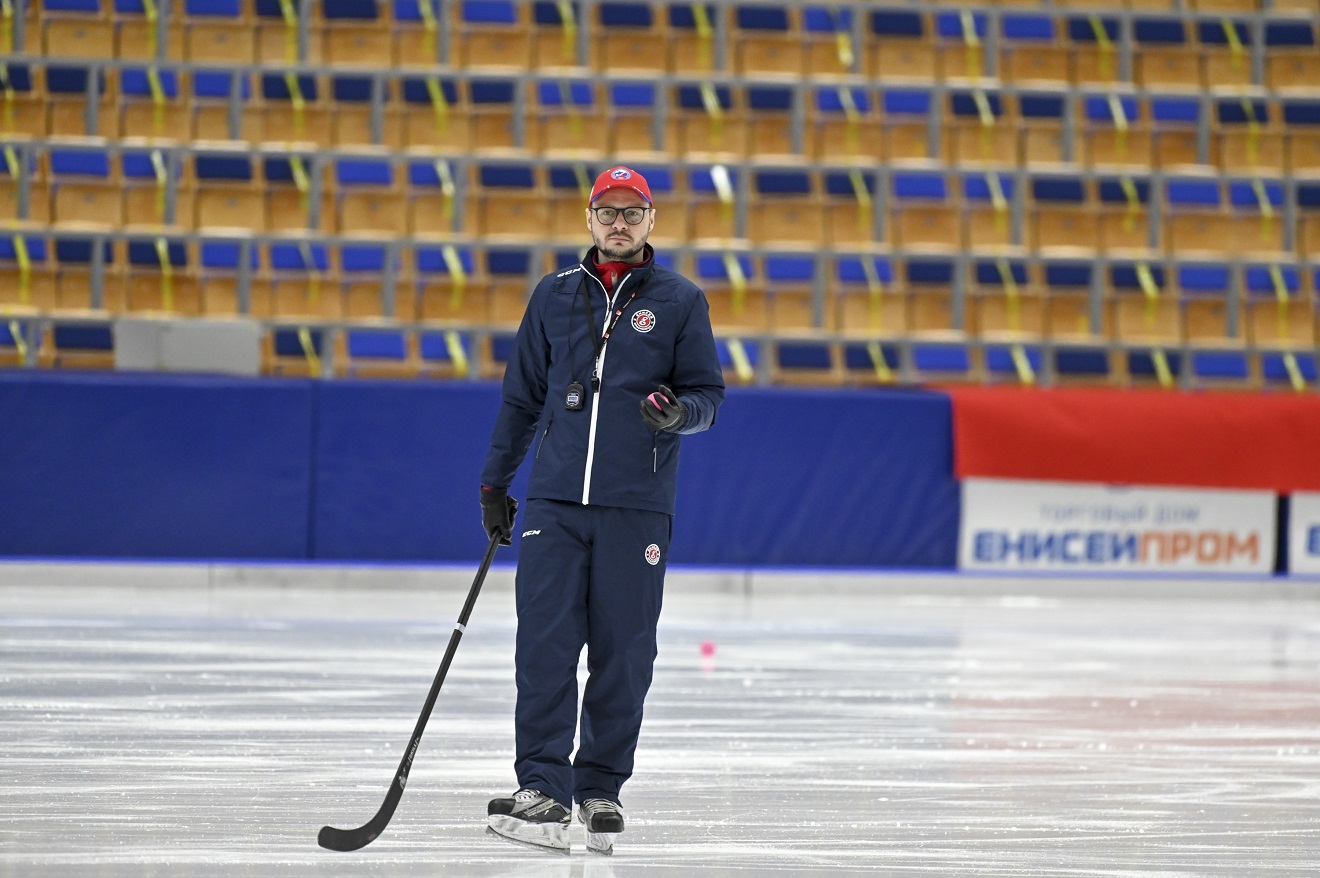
{"x": 125, "y": 465}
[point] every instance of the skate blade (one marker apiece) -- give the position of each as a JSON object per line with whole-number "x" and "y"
{"x": 548, "y": 837}
{"x": 601, "y": 843}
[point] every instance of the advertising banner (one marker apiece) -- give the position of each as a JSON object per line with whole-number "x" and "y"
{"x": 1304, "y": 533}
{"x": 1010, "y": 524}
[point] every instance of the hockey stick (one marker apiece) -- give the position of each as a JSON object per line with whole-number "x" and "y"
{"x": 354, "y": 839}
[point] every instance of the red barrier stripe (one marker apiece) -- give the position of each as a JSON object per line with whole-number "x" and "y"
{"x": 1138, "y": 437}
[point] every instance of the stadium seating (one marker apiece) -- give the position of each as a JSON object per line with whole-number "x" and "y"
{"x": 1092, "y": 191}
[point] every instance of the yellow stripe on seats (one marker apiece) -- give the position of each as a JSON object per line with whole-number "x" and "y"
{"x": 1151, "y": 289}
{"x": 290, "y": 31}
{"x": 457, "y": 275}
{"x": 447, "y": 189}
{"x": 1162, "y": 370}
{"x": 1022, "y": 363}
{"x": 24, "y": 270}
{"x": 166, "y": 274}
{"x": 20, "y": 343}
{"x": 309, "y": 350}
{"x": 300, "y": 179}
{"x": 737, "y": 279}
{"x": 457, "y": 355}
{"x": 1011, "y": 294}
{"x": 863, "y": 198}
{"x": 742, "y": 364}
{"x": 875, "y": 290}
{"x": 877, "y": 355}
{"x": 569, "y": 44}
{"x": 162, "y": 181}
{"x": 705, "y": 33}
{"x": 1103, "y": 43}
{"x": 157, "y": 99}
{"x": 439, "y": 105}
{"x": 1133, "y": 203}
{"x": 1237, "y": 52}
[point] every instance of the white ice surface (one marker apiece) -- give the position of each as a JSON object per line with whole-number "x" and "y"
{"x": 166, "y": 729}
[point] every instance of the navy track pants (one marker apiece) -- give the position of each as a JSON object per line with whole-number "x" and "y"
{"x": 593, "y": 576}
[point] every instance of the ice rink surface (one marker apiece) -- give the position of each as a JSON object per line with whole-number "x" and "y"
{"x": 154, "y": 727}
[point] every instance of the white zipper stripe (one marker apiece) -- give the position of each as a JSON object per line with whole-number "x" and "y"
{"x": 591, "y": 437}
{"x": 600, "y": 381}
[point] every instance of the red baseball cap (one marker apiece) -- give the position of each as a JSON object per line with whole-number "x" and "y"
{"x": 619, "y": 177}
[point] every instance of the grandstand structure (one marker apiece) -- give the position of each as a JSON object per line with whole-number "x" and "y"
{"x": 1089, "y": 191}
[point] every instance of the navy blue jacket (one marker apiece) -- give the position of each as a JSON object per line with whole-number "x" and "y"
{"x": 604, "y": 454}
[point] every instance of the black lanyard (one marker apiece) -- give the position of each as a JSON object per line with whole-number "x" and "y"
{"x": 598, "y": 343}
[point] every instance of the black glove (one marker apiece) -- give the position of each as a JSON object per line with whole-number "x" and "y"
{"x": 497, "y": 512}
{"x": 662, "y": 410}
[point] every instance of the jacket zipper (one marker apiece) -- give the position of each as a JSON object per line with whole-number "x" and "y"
{"x": 600, "y": 382}
{"x": 655, "y": 452}
{"x": 548, "y": 424}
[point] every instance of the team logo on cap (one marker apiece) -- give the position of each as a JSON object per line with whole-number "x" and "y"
{"x": 643, "y": 321}
{"x": 653, "y": 554}
{"x": 621, "y": 174}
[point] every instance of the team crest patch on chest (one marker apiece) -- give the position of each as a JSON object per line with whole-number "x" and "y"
{"x": 643, "y": 321}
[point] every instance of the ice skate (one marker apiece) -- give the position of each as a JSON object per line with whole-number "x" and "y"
{"x": 530, "y": 818}
{"x": 603, "y": 820}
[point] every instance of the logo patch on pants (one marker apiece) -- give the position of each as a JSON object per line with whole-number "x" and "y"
{"x": 653, "y": 554}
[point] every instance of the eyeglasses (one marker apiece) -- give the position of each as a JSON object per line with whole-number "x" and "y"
{"x": 631, "y": 215}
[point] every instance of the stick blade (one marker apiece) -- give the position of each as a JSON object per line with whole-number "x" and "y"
{"x": 333, "y": 839}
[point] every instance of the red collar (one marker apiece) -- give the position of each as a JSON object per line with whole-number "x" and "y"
{"x": 610, "y": 272}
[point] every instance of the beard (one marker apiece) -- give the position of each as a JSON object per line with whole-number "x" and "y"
{"x": 619, "y": 252}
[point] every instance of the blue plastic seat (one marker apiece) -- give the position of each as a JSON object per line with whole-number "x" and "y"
{"x": 1220, "y": 369}
{"x": 930, "y": 281}
{"x": 1069, "y": 315}
{"x": 1276, "y": 372}
{"x": 824, "y": 26}
{"x": 75, "y": 259}
{"x": 448, "y": 292}
{"x": 82, "y": 187}
{"x": 1004, "y": 301}
{"x": 1278, "y": 310}
{"x": 1205, "y": 289}
{"x": 1094, "y": 41}
{"x": 791, "y": 292}
{"x": 1143, "y": 366}
{"x": 1080, "y": 364}
{"x": 1042, "y": 116}
{"x": 708, "y": 216}
{"x": 988, "y": 202}
{"x": 941, "y": 362}
{"x": 1146, "y": 310}
{"x": 873, "y": 362}
{"x": 364, "y": 268}
{"x": 850, "y": 213}
{"x": 866, "y": 301}
{"x": 1021, "y": 364}
{"x": 1125, "y": 223}
{"x": 922, "y": 212}
{"x": 447, "y": 354}
{"x": 147, "y": 197}
{"x": 905, "y": 122}
{"x": 147, "y": 288}
{"x": 766, "y": 41}
{"x": 83, "y": 345}
{"x": 733, "y": 309}
{"x": 211, "y": 92}
{"x": 799, "y": 361}
{"x": 1291, "y": 59}
{"x": 748, "y": 357}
